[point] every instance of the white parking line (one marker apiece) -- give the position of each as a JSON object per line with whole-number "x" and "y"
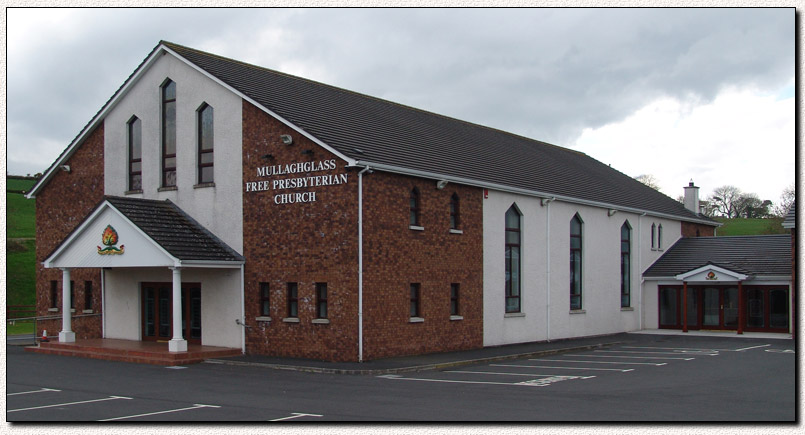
{"x": 195, "y": 406}
{"x": 449, "y": 381}
{"x": 674, "y": 348}
{"x": 41, "y": 390}
{"x": 68, "y": 404}
{"x": 633, "y": 357}
{"x": 753, "y": 347}
{"x": 561, "y": 368}
{"x": 509, "y": 374}
{"x": 601, "y": 362}
{"x": 296, "y": 415}
{"x": 654, "y": 353}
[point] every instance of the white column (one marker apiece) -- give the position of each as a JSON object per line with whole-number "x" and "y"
{"x": 66, "y": 335}
{"x": 177, "y": 343}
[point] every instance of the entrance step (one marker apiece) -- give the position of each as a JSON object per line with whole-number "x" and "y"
{"x": 133, "y": 351}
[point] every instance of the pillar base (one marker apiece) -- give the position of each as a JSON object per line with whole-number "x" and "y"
{"x": 67, "y": 337}
{"x": 175, "y": 345}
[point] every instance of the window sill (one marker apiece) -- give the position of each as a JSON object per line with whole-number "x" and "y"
{"x": 508, "y": 315}
{"x": 203, "y": 185}
{"x": 263, "y": 318}
{"x": 454, "y": 231}
{"x": 653, "y": 249}
{"x": 133, "y": 192}
{"x": 290, "y": 319}
{"x": 167, "y": 188}
{"x": 416, "y": 228}
{"x": 416, "y": 320}
{"x": 72, "y": 310}
{"x": 627, "y": 308}
{"x": 578, "y": 311}
{"x": 320, "y": 321}
{"x": 53, "y": 310}
{"x": 88, "y": 311}
{"x": 452, "y": 318}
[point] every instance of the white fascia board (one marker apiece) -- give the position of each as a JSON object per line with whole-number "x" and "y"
{"x": 350, "y": 161}
{"x": 737, "y": 276}
{"x": 94, "y": 123}
{"x": 527, "y": 192}
{"x": 210, "y": 264}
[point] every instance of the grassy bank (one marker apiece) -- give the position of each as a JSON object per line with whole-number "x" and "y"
{"x": 750, "y": 227}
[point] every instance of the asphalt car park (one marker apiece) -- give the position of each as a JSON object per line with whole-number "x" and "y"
{"x": 641, "y": 378}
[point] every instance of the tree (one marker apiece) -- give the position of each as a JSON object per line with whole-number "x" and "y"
{"x": 725, "y": 200}
{"x": 649, "y": 180}
{"x": 750, "y": 206}
{"x": 786, "y": 199}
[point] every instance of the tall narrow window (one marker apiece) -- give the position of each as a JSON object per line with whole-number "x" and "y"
{"x": 512, "y": 257}
{"x": 626, "y": 264}
{"x": 659, "y": 237}
{"x": 205, "y": 144}
{"x": 265, "y": 300}
{"x": 415, "y": 310}
{"x": 454, "y": 212}
{"x": 54, "y": 294}
{"x": 293, "y": 299}
{"x": 653, "y": 236}
{"x": 87, "y": 295}
{"x": 72, "y": 295}
{"x": 169, "y": 134}
{"x": 575, "y": 263}
{"x": 135, "y": 139}
{"x": 414, "y": 208}
{"x": 454, "y": 299}
{"x": 321, "y": 300}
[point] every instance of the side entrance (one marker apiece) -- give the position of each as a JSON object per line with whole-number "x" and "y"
{"x": 157, "y": 303}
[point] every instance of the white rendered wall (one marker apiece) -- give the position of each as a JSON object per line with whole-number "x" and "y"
{"x": 220, "y": 302}
{"x": 545, "y": 293}
{"x": 217, "y": 208}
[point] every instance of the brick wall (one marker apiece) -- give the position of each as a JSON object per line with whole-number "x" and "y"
{"x": 689, "y": 230}
{"x": 396, "y": 256}
{"x": 60, "y": 206}
{"x": 302, "y": 242}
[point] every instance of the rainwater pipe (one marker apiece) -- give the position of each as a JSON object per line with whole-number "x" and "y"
{"x": 360, "y": 262}
{"x": 640, "y": 271}
{"x": 546, "y": 202}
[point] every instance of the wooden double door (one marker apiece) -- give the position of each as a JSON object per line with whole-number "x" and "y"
{"x": 157, "y": 311}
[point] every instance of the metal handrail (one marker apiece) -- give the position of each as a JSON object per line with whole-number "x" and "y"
{"x": 50, "y": 317}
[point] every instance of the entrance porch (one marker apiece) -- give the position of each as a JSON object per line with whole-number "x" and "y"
{"x": 143, "y": 352}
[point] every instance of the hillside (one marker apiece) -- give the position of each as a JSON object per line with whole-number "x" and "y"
{"x": 20, "y": 244}
{"x": 750, "y": 227}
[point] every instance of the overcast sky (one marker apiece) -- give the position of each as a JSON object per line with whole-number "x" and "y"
{"x": 702, "y": 94}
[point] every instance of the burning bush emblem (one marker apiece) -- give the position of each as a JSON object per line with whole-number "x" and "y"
{"x": 109, "y": 239}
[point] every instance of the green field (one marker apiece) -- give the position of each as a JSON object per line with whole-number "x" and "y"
{"x": 750, "y": 227}
{"x": 20, "y": 216}
{"x": 20, "y": 249}
{"x": 19, "y": 184}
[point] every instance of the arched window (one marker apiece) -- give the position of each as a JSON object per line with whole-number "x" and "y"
{"x": 626, "y": 264}
{"x": 205, "y": 144}
{"x": 169, "y": 134}
{"x": 659, "y": 237}
{"x": 414, "y": 208}
{"x": 135, "y": 139}
{"x": 575, "y": 263}
{"x": 512, "y": 257}
{"x": 454, "y": 212}
{"x": 653, "y": 236}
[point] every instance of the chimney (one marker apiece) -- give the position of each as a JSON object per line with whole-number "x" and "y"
{"x": 692, "y": 198}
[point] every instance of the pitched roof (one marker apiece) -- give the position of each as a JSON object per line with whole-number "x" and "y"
{"x": 388, "y": 136}
{"x": 790, "y": 220}
{"x": 751, "y": 255}
{"x": 172, "y": 229}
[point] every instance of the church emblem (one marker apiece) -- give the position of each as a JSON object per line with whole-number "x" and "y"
{"x": 109, "y": 239}
{"x": 711, "y": 276}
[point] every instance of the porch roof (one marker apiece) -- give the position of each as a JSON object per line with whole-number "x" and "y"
{"x": 156, "y": 232}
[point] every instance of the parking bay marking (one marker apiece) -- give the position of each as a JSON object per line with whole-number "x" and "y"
{"x": 513, "y": 374}
{"x": 68, "y": 404}
{"x": 683, "y": 349}
{"x": 632, "y": 357}
{"x": 530, "y": 383}
{"x": 195, "y": 406}
{"x": 657, "y": 353}
{"x": 41, "y": 390}
{"x": 296, "y": 415}
{"x": 600, "y": 362}
{"x": 561, "y": 368}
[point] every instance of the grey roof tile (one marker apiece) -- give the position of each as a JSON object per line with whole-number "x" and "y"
{"x": 751, "y": 255}
{"x": 396, "y": 135}
{"x": 790, "y": 220}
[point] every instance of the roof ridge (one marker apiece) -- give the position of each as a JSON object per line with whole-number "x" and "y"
{"x": 363, "y": 95}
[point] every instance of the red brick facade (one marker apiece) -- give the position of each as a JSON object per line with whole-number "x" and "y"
{"x": 60, "y": 206}
{"x": 317, "y": 242}
{"x": 690, "y": 229}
